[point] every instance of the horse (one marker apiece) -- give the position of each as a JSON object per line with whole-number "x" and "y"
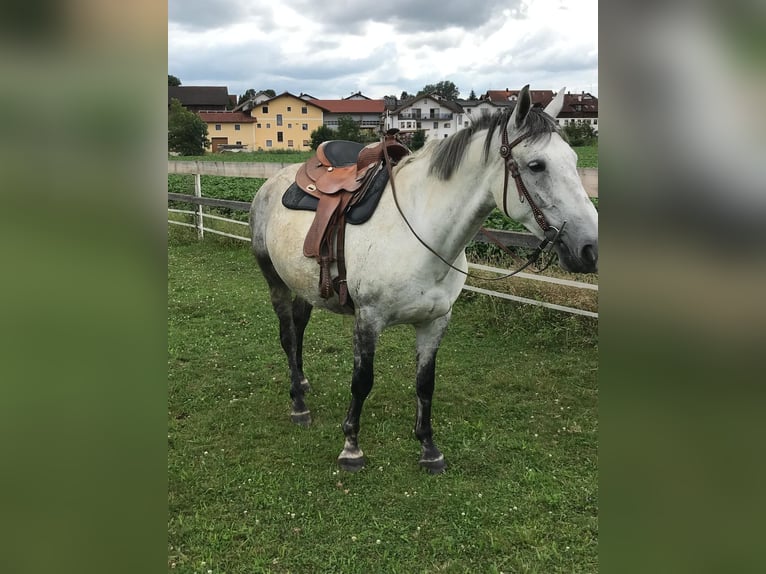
{"x": 407, "y": 263}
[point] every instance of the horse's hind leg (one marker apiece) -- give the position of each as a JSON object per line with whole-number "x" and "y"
{"x": 293, "y": 316}
{"x": 429, "y": 336}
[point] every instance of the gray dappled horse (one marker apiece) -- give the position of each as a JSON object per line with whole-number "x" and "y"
{"x": 445, "y": 191}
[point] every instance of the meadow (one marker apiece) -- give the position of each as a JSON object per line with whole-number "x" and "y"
{"x": 515, "y": 413}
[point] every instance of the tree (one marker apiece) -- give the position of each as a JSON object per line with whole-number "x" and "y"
{"x": 446, "y": 89}
{"x": 405, "y": 96}
{"x": 580, "y": 133}
{"x": 472, "y": 97}
{"x": 252, "y": 92}
{"x": 348, "y": 129}
{"x": 187, "y": 133}
{"x": 321, "y": 134}
{"x": 173, "y": 81}
{"x": 418, "y": 140}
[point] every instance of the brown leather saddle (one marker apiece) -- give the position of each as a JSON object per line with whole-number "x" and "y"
{"x": 338, "y": 175}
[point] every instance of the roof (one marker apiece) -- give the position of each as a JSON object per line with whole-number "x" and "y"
{"x": 351, "y": 106}
{"x": 539, "y": 97}
{"x": 587, "y": 102}
{"x": 200, "y": 95}
{"x": 226, "y": 117}
{"x": 455, "y": 107}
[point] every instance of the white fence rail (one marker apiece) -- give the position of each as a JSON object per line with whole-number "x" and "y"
{"x": 198, "y": 168}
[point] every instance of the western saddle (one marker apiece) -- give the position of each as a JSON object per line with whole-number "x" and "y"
{"x": 338, "y": 175}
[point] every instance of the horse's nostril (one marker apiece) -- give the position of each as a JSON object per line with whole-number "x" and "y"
{"x": 590, "y": 254}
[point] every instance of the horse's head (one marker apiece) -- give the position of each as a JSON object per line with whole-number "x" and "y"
{"x": 542, "y": 189}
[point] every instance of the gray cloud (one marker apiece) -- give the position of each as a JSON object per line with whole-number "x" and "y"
{"x": 405, "y": 15}
{"x": 206, "y": 14}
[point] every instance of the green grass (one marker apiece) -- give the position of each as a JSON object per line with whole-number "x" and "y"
{"x": 278, "y": 156}
{"x": 515, "y": 413}
{"x": 587, "y": 156}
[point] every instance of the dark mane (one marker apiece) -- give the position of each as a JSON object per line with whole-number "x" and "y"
{"x": 449, "y": 152}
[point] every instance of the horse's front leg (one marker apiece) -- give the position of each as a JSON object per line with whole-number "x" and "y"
{"x": 429, "y": 337}
{"x": 366, "y": 333}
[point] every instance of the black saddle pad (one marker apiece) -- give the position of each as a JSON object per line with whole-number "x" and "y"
{"x": 342, "y": 152}
{"x": 296, "y": 198}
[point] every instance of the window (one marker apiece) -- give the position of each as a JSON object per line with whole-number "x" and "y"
{"x": 304, "y": 110}
{"x": 306, "y": 143}
{"x": 265, "y": 109}
{"x": 305, "y": 127}
{"x": 268, "y": 125}
{"x": 258, "y": 126}
{"x": 468, "y": 111}
{"x": 268, "y": 143}
{"x": 239, "y": 143}
{"x": 289, "y": 126}
{"x": 218, "y": 127}
{"x": 465, "y": 124}
{"x": 279, "y": 119}
{"x": 236, "y": 127}
{"x": 595, "y": 122}
{"x": 290, "y": 143}
{"x": 289, "y": 109}
{"x": 447, "y": 125}
{"x": 436, "y": 125}
{"x": 280, "y": 136}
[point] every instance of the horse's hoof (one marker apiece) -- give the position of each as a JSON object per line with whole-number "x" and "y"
{"x": 303, "y": 419}
{"x": 305, "y": 386}
{"x": 436, "y": 466}
{"x": 351, "y": 464}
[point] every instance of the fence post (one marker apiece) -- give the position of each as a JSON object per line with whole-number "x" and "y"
{"x": 198, "y": 193}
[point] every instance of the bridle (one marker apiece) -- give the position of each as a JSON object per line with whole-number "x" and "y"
{"x": 551, "y": 234}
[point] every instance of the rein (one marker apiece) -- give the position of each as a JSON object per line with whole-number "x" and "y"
{"x": 551, "y": 233}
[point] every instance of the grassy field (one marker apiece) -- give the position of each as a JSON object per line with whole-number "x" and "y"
{"x": 587, "y": 156}
{"x": 515, "y": 413}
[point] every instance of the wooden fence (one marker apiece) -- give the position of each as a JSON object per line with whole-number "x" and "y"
{"x": 265, "y": 170}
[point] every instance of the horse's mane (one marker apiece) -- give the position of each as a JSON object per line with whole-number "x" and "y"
{"x": 449, "y": 152}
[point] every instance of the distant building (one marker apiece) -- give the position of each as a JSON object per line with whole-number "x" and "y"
{"x": 435, "y": 115}
{"x": 199, "y": 98}
{"x": 365, "y": 112}
{"x": 229, "y": 130}
{"x": 285, "y": 122}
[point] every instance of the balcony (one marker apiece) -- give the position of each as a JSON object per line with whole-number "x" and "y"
{"x": 411, "y": 115}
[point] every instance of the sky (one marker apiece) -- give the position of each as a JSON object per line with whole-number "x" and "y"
{"x": 333, "y": 49}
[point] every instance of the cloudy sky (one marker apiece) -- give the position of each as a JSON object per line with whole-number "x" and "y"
{"x": 335, "y": 48}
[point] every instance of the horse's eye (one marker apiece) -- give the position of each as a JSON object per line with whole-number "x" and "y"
{"x": 536, "y": 165}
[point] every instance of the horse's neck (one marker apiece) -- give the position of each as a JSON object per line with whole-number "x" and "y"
{"x": 446, "y": 214}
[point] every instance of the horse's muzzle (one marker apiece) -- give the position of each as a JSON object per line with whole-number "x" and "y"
{"x": 584, "y": 261}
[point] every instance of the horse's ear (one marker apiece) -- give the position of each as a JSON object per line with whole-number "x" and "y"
{"x": 523, "y": 105}
{"x": 554, "y": 108}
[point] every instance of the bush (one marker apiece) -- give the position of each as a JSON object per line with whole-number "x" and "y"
{"x": 580, "y": 133}
{"x": 321, "y": 134}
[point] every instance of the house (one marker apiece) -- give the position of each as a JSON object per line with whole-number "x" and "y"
{"x": 198, "y": 98}
{"x": 435, "y": 115}
{"x": 579, "y": 107}
{"x": 474, "y": 109}
{"x": 367, "y": 113}
{"x": 250, "y": 103}
{"x": 285, "y": 122}
{"x": 226, "y": 129}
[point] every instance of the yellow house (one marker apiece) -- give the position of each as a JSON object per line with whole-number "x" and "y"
{"x": 285, "y": 122}
{"x": 229, "y": 129}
